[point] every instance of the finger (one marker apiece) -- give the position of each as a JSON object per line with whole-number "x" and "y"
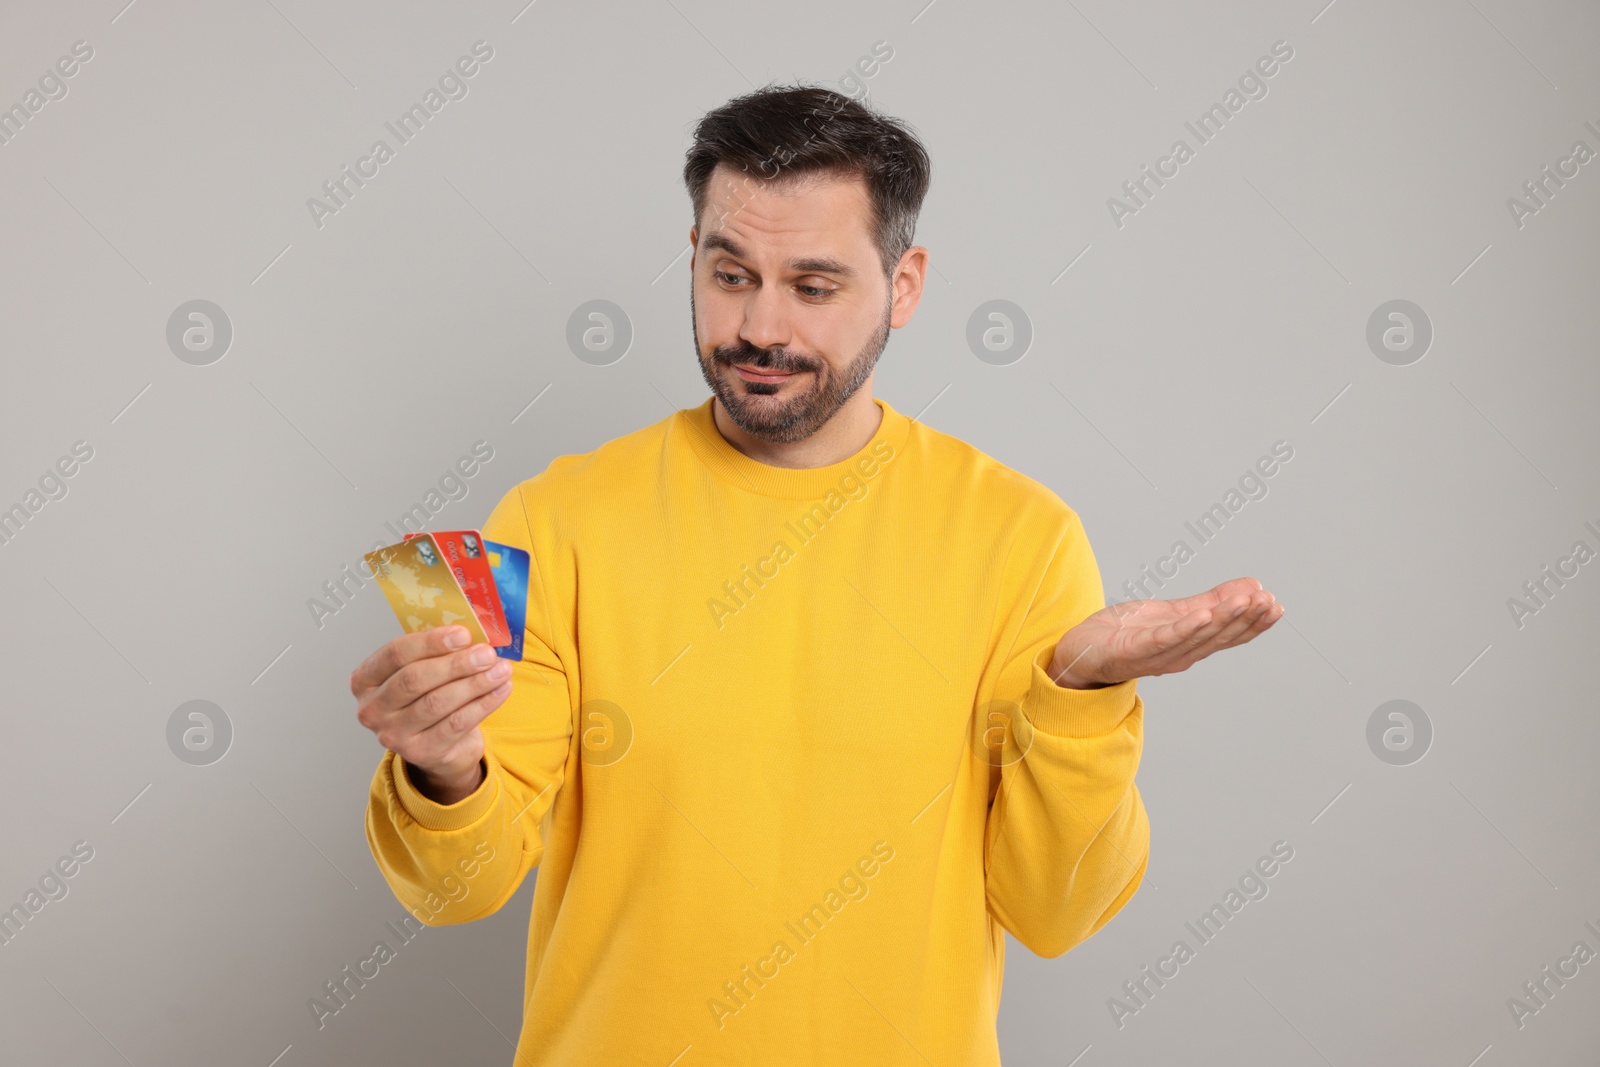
{"x": 1238, "y": 628}
{"x": 399, "y": 729}
{"x": 445, "y": 734}
{"x": 418, "y": 679}
{"x": 422, "y": 693}
{"x": 1216, "y": 595}
{"x": 1196, "y": 627}
{"x": 1261, "y": 623}
{"x": 1245, "y": 628}
{"x": 382, "y": 664}
{"x": 1194, "y": 631}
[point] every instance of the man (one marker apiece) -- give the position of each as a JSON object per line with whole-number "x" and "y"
{"x": 816, "y": 701}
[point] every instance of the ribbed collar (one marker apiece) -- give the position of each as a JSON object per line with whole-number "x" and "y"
{"x": 795, "y": 483}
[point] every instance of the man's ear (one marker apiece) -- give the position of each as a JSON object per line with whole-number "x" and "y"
{"x": 908, "y": 282}
{"x": 694, "y": 242}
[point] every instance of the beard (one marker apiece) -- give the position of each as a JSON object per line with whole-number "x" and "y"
{"x": 752, "y": 405}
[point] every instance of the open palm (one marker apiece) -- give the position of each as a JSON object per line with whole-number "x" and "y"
{"x": 1141, "y": 638}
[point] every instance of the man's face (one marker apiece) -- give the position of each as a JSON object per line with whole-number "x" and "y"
{"x": 790, "y": 303}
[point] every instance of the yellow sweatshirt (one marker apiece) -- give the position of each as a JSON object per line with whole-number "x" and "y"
{"x": 785, "y": 752}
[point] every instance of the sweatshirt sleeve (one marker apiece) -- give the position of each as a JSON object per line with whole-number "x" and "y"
{"x": 1067, "y": 838}
{"x": 453, "y": 863}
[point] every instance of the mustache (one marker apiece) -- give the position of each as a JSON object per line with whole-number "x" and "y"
{"x": 771, "y": 359}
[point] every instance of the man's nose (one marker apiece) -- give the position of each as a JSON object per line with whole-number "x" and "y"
{"x": 766, "y": 319}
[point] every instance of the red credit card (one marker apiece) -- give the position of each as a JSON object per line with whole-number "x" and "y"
{"x": 468, "y": 561}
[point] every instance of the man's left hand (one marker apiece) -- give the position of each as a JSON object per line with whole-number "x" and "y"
{"x": 1140, "y": 638}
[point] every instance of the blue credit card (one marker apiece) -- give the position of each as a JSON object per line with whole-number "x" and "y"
{"x": 510, "y": 568}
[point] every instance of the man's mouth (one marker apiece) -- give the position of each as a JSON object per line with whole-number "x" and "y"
{"x": 756, "y": 374}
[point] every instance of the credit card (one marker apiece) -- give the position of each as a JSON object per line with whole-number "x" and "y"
{"x": 464, "y": 552}
{"x": 421, "y": 587}
{"x": 510, "y": 567}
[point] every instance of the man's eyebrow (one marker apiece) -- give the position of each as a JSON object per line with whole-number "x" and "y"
{"x": 804, "y": 265}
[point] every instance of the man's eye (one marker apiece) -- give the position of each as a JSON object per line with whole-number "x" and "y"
{"x": 814, "y": 290}
{"x": 727, "y": 278}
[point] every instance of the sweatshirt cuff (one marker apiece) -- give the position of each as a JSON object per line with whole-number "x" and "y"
{"x": 432, "y": 815}
{"x": 1056, "y": 709}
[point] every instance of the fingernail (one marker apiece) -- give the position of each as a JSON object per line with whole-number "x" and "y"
{"x": 481, "y": 656}
{"x": 457, "y": 637}
{"x": 499, "y": 672}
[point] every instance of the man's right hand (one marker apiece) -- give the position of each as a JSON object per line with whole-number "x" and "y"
{"x": 424, "y": 695}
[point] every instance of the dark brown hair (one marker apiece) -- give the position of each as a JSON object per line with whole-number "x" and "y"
{"x": 780, "y": 132}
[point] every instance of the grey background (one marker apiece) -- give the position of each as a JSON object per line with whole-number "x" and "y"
{"x": 1228, "y": 314}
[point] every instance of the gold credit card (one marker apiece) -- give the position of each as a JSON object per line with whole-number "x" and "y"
{"x": 422, "y": 590}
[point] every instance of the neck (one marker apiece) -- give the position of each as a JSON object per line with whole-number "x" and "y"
{"x": 841, "y": 437}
